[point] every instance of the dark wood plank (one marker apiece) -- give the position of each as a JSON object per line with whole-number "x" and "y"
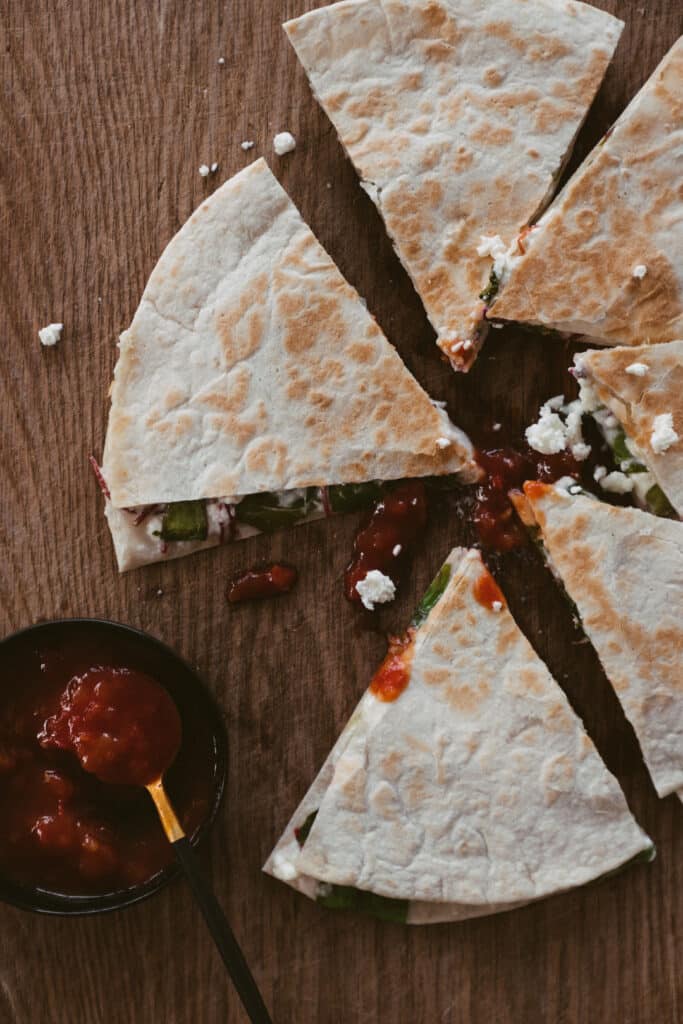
{"x": 106, "y": 112}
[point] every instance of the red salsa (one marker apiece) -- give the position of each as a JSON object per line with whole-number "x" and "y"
{"x": 64, "y": 829}
{"x": 395, "y": 523}
{"x": 507, "y": 469}
{"x": 255, "y": 584}
{"x": 393, "y": 675}
{"x": 488, "y": 593}
{"x": 121, "y": 724}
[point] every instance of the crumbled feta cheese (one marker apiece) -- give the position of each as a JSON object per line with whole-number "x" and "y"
{"x": 638, "y": 369}
{"x": 376, "y": 588}
{"x": 443, "y": 442}
{"x": 599, "y": 473}
{"x": 497, "y": 426}
{"x": 248, "y": 144}
{"x": 397, "y": 551}
{"x": 616, "y": 483}
{"x": 205, "y": 170}
{"x": 494, "y": 246}
{"x": 575, "y": 489}
{"x": 491, "y": 245}
{"x": 497, "y": 606}
{"x": 587, "y": 396}
{"x": 663, "y": 433}
{"x": 221, "y": 61}
{"x": 554, "y": 404}
{"x": 214, "y": 168}
{"x": 640, "y": 271}
{"x": 51, "y": 334}
{"x": 284, "y": 142}
{"x": 160, "y": 592}
{"x": 467, "y": 345}
{"x": 548, "y": 435}
{"x": 283, "y": 868}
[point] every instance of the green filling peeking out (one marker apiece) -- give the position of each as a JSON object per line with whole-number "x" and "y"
{"x": 432, "y": 596}
{"x": 345, "y": 897}
{"x": 185, "y": 520}
{"x": 489, "y": 293}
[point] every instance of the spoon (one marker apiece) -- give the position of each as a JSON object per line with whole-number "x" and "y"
{"x": 217, "y": 923}
{"x": 124, "y": 728}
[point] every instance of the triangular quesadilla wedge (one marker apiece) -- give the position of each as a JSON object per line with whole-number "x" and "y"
{"x": 458, "y": 116}
{"x": 251, "y": 374}
{"x": 623, "y": 569}
{"x": 636, "y": 397}
{"x": 606, "y": 259}
{"x": 464, "y": 783}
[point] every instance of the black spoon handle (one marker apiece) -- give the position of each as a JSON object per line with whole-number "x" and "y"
{"x": 222, "y": 935}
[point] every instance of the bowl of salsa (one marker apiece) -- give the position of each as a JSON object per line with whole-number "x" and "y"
{"x": 71, "y": 843}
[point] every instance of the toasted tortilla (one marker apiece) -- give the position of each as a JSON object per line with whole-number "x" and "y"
{"x": 637, "y": 401}
{"x": 476, "y": 790}
{"x": 252, "y": 366}
{"x": 623, "y": 569}
{"x": 458, "y": 116}
{"x": 621, "y": 212}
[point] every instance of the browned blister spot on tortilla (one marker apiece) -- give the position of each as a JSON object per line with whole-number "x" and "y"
{"x": 361, "y": 353}
{"x": 265, "y": 455}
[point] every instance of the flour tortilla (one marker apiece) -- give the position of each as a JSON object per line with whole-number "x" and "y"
{"x": 621, "y": 210}
{"x": 251, "y": 366}
{"x": 637, "y": 401}
{"x": 458, "y": 116}
{"x": 475, "y": 791}
{"x": 623, "y": 569}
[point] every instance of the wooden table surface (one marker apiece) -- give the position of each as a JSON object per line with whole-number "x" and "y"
{"x": 107, "y": 110}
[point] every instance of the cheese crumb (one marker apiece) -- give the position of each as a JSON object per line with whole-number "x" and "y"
{"x": 205, "y": 170}
{"x": 221, "y": 61}
{"x": 397, "y": 551}
{"x": 638, "y": 369}
{"x": 50, "y": 335}
{"x": 548, "y": 435}
{"x": 284, "y": 142}
{"x": 497, "y": 427}
{"x": 497, "y": 606}
{"x": 248, "y": 144}
{"x": 376, "y": 588}
{"x": 663, "y": 434}
{"x": 616, "y": 483}
{"x": 640, "y": 271}
{"x": 214, "y": 168}
{"x": 443, "y": 442}
{"x": 599, "y": 473}
{"x": 494, "y": 246}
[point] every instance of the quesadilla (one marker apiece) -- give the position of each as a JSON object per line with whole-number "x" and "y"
{"x": 458, "y": 116}
{"x": 623, "y": 569}
{"x": 606, "y": 259}
{"x": 464, "y": 783}
{"x": 253, "y": 388}
{"x": 636, "y": 397}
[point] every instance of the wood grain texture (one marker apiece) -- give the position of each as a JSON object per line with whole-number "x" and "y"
{"x": 107, "y": 110}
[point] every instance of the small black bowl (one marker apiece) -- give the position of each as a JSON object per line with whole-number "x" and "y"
{"x": 194, "y": 703}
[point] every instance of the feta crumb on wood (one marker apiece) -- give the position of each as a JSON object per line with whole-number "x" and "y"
{"x": 248, "y": 144}
{"x": 284, "y": 142}
{"x": 50, "y": 335}
{"x": 204, "y": 170}
{"x": 376, "y": 588}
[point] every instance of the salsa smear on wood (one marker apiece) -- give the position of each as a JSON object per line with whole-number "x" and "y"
{"x": 63, "y": 829}
{"x": 394, "y": 525}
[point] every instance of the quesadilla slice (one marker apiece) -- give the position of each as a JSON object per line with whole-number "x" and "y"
{"x": 606, "y": 259}
{"x": 253, "y": 388}
{"x": 636, "y": 397}
{"x": 464, "y": 783}
{"x": 458, "y": 116}
{"x": 623, "y": 569}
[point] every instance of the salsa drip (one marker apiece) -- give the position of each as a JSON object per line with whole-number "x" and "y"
{"x": 394, "y": 525}
{"x": 393, "y": 675}
{"x": 488, "y": 594}
{"x": 507, "y": 469}
{"x": 63, "y": 829}
{"x": 256, "y": 584}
